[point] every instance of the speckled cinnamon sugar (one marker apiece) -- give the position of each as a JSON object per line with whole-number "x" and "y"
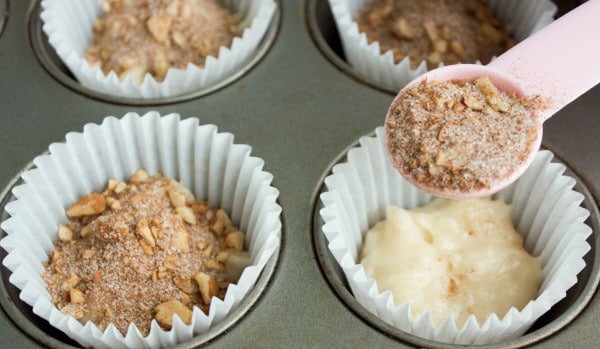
{"x": 448, "y": 31}
{"x": 460, "y": 135}
{"x": 150, "y": 36}
{"x": 139, "y": 251}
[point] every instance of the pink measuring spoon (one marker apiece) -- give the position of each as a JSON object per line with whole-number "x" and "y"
{"x": 558, "y": 63}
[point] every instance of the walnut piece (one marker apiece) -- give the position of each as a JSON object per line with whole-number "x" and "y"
{"x": 207, "y": 285}
{"x": 65, "y": 234}
{"x": 235, "y": 240}
{"x": 143, "y": 230}
{"x": 166, "y": 310}
{"x": 186, "y": 214}
{"x": 76, "y": 296}
{"x": 139, "y": 176}
{"x": 88, "y": 205}
{"x": 221, "y": 222}
{"x": 159, "y": 26}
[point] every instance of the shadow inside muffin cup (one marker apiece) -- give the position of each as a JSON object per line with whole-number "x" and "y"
{"x": 51, "y": 62}
{"x": 552, "y": 321}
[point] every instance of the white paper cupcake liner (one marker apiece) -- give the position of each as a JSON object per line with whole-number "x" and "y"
{"x": 203, "y": 160}
{"x": 546, "y": 212}
{"x": 522, "y": 19}
{"x": 69, "y": 27}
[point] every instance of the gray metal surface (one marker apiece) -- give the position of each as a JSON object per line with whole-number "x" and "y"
{"x": 299, "y": 113}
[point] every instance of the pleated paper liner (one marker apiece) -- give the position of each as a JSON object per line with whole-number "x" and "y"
{"x": 69, "y": 25}
{"x": 546, "y": 212}
{"x": 522, "y": 18}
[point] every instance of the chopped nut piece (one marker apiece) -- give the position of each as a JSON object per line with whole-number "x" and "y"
{"x": 88, "y": 254}
{"x": 181, "y": 240}
{"x": 458, "y": 49}
{"x": 137, "y": 74}
{"x": 186, "y": 214}
{"x": 147, "y": 249}
{"x": 212, "y": 264}
{"x": 184, "y": 284}
{"x": 139, "y": 176}
{"x": 71, "y": 282}
{"x": 440, "y": 46}
{"x": 106, "y": 6}
{"x": 76, "y": 296}
{"x": 235, "y": 239}
{"x": 221, "y": 222}
{"x": 207, "y": 285}
{"x": 166, "y": 310}
{"x": 158, "y": 26}
{"x": 403, "y": 30}
{"x": 223, "y": 255}
{"x": 472, "y": 102}
{"x": 120, "y": 187}
{"x": 74, "y": 310}
{"x": 65, "y": 234}
{"x": 177, "y": 197}
{"x": 499, "y": 104}
{"x": 160, "y": 64}
{"x": 88, "y": 205}
{"x": 112, "y": 184}
{"x": 431, "y": 30}
{"x": 113, "y": 203}
{"x": 189, "y": 197}
{"x": 486, "y": 87}
{"x": 143, "y": 230}
{"x": 85, "y": 231}
{"x": 179, "y": 39}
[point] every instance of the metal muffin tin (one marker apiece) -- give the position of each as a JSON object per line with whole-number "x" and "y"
{"x": 300, "y": 108}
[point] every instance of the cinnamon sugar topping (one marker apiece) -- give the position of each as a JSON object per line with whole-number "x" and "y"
{"x": 435, "y": 31}
{"x": 149, "y": 257}
{"x": 460, "y": 135}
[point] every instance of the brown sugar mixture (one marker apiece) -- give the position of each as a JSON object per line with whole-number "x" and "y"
{"x": 150, "y": 36}
{"x": 448, "y": 31}
{"x": 460, "y": 135}
{"x": 142, "y": 250}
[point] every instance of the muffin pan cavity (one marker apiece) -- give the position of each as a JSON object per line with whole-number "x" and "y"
{"x": 559, "y": 316}
{"x": 48, "y": 58}
{"x": 48, "y": 336}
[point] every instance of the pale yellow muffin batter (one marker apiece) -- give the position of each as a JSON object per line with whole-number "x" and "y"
{"x": 454, "y": 258}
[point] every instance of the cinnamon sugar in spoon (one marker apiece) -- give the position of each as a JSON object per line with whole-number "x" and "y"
{"x": 466, "y": 130}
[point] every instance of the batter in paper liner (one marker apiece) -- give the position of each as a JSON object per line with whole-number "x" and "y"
{"x": 454, "y": 258}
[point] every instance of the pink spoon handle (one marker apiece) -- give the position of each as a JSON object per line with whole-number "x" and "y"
{"x": 560, "y": 62}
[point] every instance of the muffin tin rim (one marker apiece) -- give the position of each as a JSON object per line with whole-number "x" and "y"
{"x": 331, "y": 272}
{"x": 4, "y": 10}
{"x": 48, "y": 60}
{"x": 20, "y": 320}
